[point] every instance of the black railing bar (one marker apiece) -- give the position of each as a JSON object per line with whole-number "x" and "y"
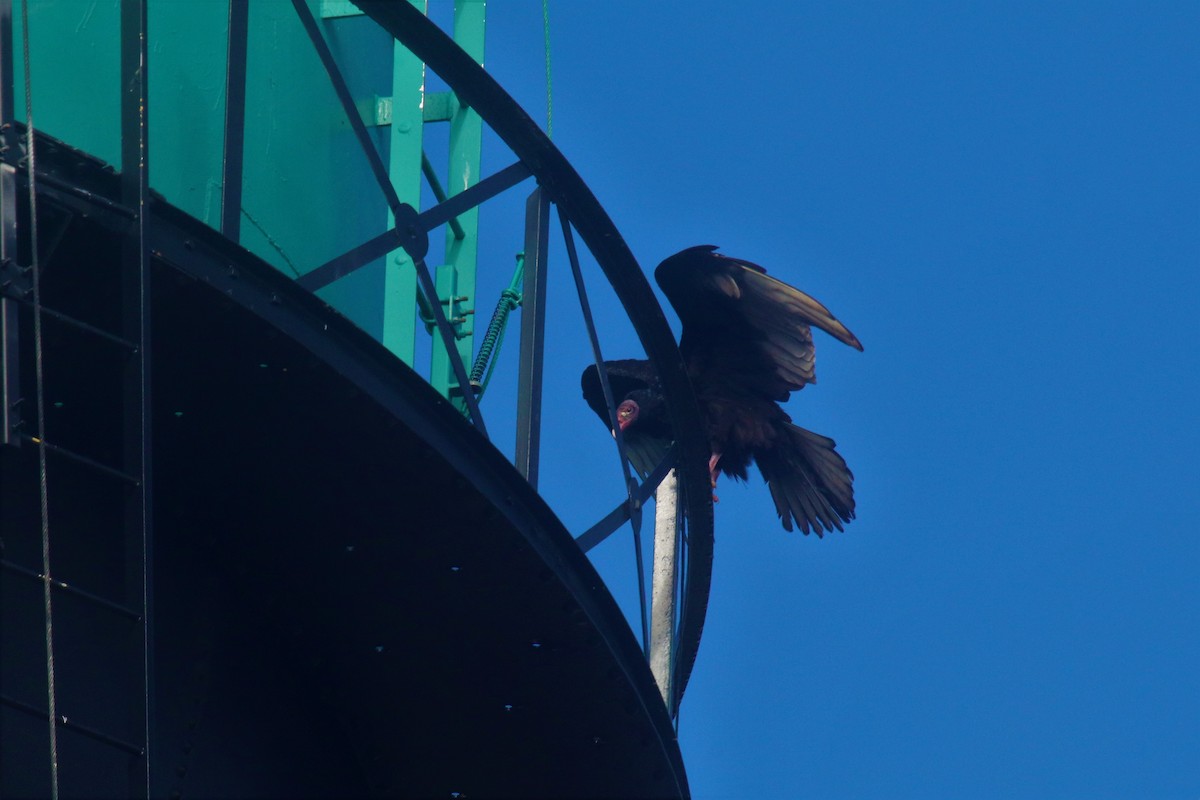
{"x": 70, "y": 724}
{"x": 681, "y": 605}
{"x": 589, "y": 323}
{"x": 475, "y": 195}
{"x": 348, "y": 107}
{"x": 607, "y": 525}
{"x": 635, "y": 509}
{"x": 37, "y": 577}
{"x": 635, "y": 520}
{"x": 235, "y": 120}
{"x": 616, "y": 518}
{"x": 384, "y": 243}
{"x": 351, "y": 260}
{"x": 450, "y": 342}
{"x": 137, "y": 444}
{"x": 677, "y": 594}
{"x": 531, "y": 360}
{"x": 45, "y": 179}
{"x": 439, "y": 193}
{"x": 85, "y": 461}
{"x": 91, "y": 330}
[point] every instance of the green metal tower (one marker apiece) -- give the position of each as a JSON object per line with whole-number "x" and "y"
{"x": 282, "y": 561}
{"x": 301, "y": 196}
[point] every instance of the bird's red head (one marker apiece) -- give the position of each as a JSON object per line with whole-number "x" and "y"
{"x": 627, "y": 414}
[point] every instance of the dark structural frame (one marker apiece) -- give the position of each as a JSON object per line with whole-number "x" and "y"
{"x": 578, "y": 208}
{"x": 145, "y": 233}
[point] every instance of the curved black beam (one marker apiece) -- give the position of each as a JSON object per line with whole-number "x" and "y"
{"x": 220, "y": 268}
{"x": 181, "y": 242}
{"x": 476, "y": 88}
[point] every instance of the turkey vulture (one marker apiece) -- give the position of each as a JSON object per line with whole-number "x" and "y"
{"x": 747, "y": 346}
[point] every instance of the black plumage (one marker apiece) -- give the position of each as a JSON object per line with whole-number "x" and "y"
{"x": 747, "y": 345}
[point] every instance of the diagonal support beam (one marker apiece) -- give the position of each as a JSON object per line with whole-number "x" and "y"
{"x": 343, "y": 93}
{"x": 614, "y": 519}
{"x": 412, "y": 229}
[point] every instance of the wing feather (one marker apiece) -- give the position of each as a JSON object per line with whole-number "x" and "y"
{"x": 809, "y": 481}
{"x": 742, "y": 322}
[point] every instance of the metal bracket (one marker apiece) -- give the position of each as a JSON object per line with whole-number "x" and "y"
{"x": 380, "y": 112}
{"x": 413, "y": 236}
{"x": 440, "y": 106}
{"x": 332, "y": 9}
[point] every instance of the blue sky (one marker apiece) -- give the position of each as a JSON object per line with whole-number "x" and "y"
{"x": 1002, "y": 201}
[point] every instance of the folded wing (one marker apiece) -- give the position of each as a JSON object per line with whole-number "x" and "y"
{"x": 646, "y": 443}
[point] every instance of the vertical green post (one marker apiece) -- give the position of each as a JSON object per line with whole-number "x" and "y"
{"x": 456, "y": 278}
{"x": 404, "y": 168}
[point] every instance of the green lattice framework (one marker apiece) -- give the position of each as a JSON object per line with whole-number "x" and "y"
{"x": 307, "y": 192}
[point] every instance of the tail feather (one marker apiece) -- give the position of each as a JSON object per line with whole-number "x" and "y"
{"x": 809, "y": 482}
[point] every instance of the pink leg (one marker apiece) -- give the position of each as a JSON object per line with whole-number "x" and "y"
{"x": 712, "y": 473}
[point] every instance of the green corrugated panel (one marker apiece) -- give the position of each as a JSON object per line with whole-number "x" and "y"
{"x": 456, "y": 278}
{"x": 308, "y": 193}
{"x": 75, "y": 72}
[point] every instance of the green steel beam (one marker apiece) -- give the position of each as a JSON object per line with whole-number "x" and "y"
{"x": 404, "y": 168}
{"x": 456, "y": 277}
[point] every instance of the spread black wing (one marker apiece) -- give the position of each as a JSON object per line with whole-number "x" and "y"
{"x": 747, "y": 344}
{"x": 741, "y": 327}
{"x": 646, "y": 444}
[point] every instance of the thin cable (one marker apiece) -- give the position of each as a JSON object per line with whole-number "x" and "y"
{"x": 30, "y": 166}
{"x": 549, "y": 93}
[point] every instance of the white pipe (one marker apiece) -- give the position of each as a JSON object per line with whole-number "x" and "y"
{"x": 662, "y": 591}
